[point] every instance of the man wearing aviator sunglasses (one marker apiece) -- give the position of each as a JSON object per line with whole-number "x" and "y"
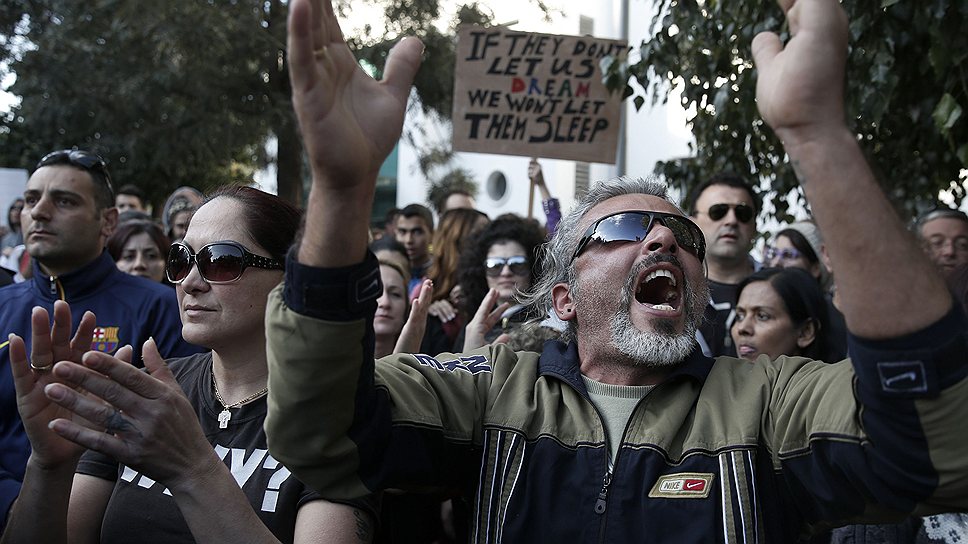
{"x": 67, "y": 216}
{"x": 724, "y": 207}
{"x": 624, "y": 431}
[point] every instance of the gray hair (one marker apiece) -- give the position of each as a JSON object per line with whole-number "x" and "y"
{"x": 938, "y": 213}
{"x": 556, "y": 265}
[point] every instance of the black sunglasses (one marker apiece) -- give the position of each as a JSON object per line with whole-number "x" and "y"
{"x": 518, "y": 264}
{"x": 743, "y": 212}
{"x": 81, "y": 159}
{"x": 218, "y": 262}
{"x": 634, "y": 226}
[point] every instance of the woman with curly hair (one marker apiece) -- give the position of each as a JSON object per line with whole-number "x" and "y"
{"x": 499, "y": 263}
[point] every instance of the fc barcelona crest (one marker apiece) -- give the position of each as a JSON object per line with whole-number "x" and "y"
{"x": 105, "y": 339}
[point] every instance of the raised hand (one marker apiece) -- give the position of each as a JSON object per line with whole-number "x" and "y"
{"x": 349, "y": 121}
{"x": 413, "y": 330}
{"x": 32, "y": 375}
{"x": 484, "y": 320}
{"x": 534, "y": 172}
{"x": 141, "y": 419}
{"x": 349, "y": 124}
{"x": 800, "y": 86}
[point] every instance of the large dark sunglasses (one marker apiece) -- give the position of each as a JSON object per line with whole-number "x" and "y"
{"x": 743, "y": 212}
{"x": 218, "y": 262}
{"x": 634, "y": 226}
{"x": 81, "y": 159}
{"x": 518, "y": 264}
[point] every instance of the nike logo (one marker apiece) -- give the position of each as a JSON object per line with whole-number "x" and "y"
{"x": 695, "y": 485}
{"x": 907, "y": 376}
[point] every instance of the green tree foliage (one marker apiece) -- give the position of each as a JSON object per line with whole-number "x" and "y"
{"x": 169, "y": 95}
{"x": 181, "y": 93}
{"x": 907, "y": 86}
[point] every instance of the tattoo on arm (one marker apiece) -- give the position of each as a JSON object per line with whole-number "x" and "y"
{"x": 364, "y": 528}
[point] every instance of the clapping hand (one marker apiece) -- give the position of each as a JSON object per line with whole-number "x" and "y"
{"x": 32, "y": 376}
{"x": 141, "y": 419}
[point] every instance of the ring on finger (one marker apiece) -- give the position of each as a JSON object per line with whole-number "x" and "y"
{"x": 42, "y": 368}
{"x": 320, "y": 52}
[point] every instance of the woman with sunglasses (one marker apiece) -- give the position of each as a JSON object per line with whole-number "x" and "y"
{"x": 497, "y": 265}
{"x": 799, "y": 246}
{"x": 178, "y": 453}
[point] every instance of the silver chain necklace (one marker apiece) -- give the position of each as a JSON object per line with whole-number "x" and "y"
{"x": 224, "y": 416}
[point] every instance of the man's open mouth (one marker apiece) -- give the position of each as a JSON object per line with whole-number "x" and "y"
{"x": 660, "y": 290}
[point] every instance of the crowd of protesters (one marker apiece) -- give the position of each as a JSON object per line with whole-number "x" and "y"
{"x": 155, "y": 381}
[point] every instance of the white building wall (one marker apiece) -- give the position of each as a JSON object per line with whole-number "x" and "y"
{"x": 652, "y": 134}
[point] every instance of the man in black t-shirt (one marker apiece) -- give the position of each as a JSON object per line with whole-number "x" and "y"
{"x": 725, "y": 208}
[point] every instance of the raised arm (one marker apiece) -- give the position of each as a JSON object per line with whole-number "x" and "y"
{"x": 349, "y": 122}
{"x": 888, "y": 288}
{"x": 902, "y": 399}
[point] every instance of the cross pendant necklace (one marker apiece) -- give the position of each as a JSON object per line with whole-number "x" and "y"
{"x": 225, "y": 415}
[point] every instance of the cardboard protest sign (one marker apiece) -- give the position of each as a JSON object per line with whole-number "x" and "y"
{"x": 538, "y": 95}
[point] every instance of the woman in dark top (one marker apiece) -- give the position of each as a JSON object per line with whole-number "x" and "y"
{"x": 182, "y": 456}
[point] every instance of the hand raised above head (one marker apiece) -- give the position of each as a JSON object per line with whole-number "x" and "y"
{"x": 349, "y": 121}
{"x": 800, "y": 85}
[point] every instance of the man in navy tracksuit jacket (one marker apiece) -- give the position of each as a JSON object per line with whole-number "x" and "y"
{"x": 67, "y": 216}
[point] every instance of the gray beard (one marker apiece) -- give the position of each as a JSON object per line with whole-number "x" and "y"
{"x": 662, "y": 347}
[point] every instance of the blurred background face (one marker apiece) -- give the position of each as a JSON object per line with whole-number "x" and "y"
{"x": 510, "y": 278}
{"x": 128, "y": 202}
{"x": 391, "y": 309}
{"x": 414, "y": 234}
{"x": 946, "y": 242}
{"x": 13, "y": 216}
{"x": 141, "y": 257}
{"x": 762, "y": 324}
{"x": 782, "y": 254}
{"x": 179, "y": 225}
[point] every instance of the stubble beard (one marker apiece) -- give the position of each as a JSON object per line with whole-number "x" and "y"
{"x": 663, "y": 346}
